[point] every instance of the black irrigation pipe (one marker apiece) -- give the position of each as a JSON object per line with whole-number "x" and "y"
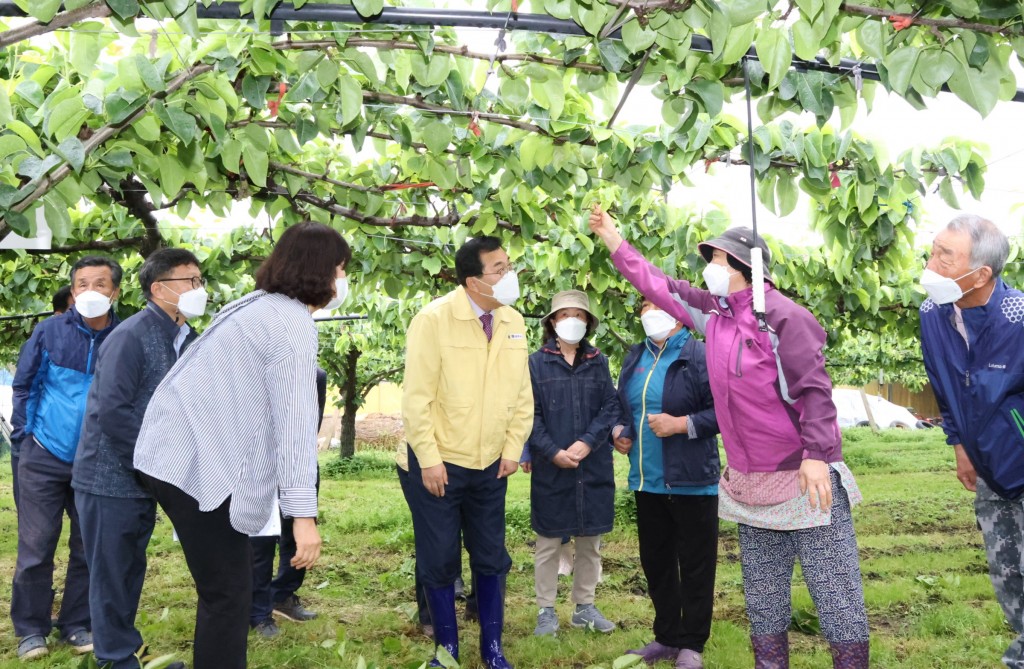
{"x": 408, "y": 16}
{"x": 323, "y": 319}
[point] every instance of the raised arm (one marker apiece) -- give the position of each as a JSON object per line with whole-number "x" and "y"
{"x": 687, "y": 304}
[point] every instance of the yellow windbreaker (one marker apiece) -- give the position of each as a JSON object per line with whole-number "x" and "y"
{"x": 466, "y": 401}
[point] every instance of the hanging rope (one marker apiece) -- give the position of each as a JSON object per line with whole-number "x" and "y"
{"x": 756, "y": 261}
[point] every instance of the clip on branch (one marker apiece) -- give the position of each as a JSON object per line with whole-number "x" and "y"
{"x": 900, "y": 22}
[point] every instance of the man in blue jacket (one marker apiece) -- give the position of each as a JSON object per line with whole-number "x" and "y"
{"x": 54, "y": 372}
{"x": 117, "y": 513}
{"x": 972, "y": 335}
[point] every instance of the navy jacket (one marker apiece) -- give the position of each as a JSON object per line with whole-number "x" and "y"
{"x": 687, "y": 462}
{"x": 979, "y": 390}
{"x": 55, "y": 370}
{"x": 131, "y": 364}
{"x": 570, "y": 404}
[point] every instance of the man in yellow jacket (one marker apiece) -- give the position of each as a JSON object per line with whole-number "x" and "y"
{"x": 467, "y": 409}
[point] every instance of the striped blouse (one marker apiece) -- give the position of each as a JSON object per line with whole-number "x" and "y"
{"x": 236, "y": 415}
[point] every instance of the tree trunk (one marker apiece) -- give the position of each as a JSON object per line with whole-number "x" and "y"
{"x": 350, "y": 402}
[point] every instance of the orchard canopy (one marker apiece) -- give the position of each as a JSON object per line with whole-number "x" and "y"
{"x": 121, "y": 119}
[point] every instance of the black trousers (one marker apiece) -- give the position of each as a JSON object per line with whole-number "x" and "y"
{"x": 678, "y": 537}
{"x": 220, "y": 561}
{"x": 473, "y": 503}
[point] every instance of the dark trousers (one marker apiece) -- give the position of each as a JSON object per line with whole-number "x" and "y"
{"x": 116, "y": 532}
{"x": 473, "y": 504}
{"x": 266, "y": 589}
{"x": 220, "y": 561}
{"x": 678, "y": 536}
{"x": 45, "y": 495}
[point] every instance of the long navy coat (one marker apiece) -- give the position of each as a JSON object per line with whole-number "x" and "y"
{"x": 570, "y": 404}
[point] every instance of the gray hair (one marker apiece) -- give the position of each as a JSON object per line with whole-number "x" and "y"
{"x": 989, "y": 246}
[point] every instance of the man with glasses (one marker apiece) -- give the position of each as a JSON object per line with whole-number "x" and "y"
{"x": 117, "y": 512}
{"x": 55, "y": 370}
{"x": 467, "y": 408}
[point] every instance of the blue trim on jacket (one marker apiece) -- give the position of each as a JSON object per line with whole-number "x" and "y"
{"x": 685, "y": 462}
{"x": 979, "y": 388}
{"x": 54, "y": 373}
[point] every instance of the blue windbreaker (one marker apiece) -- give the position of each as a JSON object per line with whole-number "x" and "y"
{"x": 980, "y": 389}
{"x": 54, "y": 372}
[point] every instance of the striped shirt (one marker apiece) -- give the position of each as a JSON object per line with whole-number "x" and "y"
{"x": 236, "y": 416}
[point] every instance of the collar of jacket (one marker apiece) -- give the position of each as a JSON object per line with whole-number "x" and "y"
{"x": 72, "y": 315}
{"x": 463, "y": 310}
{"x": 995, "y": 299}
{"x": 167, "y": 324}
{"x": 551, "y": 347}
{"x": 744, "y": 299}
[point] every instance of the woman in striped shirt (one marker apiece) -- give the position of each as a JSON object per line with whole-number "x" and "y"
{"x": 232, "y": 427}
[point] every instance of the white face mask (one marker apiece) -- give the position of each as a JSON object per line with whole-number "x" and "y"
{"x": 506, "y": 290}
{"x": 192, "y": 303}
{"x": 340, "y": 293}
{"x": 571, "y": 330}
{"x": 657, "y": 324}
{"x": 942, "y": 289}
{"x": 91, "y": 304}
{"x": 717, "y": 278}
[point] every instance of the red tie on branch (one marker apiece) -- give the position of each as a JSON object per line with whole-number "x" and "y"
{"x": 900, "y": 22}
{"x": 425, "y": 184}
{"x": 274, "y": 105}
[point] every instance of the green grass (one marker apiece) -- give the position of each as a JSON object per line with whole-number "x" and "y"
{"x": 926, "y": 584}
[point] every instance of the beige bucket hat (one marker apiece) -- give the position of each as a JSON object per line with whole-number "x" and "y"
{"x": 570, "y": 299}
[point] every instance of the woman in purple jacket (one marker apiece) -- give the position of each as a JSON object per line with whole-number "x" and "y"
{"x": 786, "y": 483}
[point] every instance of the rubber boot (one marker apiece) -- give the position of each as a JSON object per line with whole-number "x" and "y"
{"x": 441, "y": 602}
{"x": 852, "y": 655}
{"x": 490, "y": 598}
{"x": 771, "y": 651}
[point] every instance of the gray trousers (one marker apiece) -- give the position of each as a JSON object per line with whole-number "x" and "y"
{"x": 1002, "y": 525}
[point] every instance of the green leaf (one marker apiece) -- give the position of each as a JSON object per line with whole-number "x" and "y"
{"x": 743, "y": 11}
{"x": 121, "y": 104}
{"x": 900, "y": 66}
{"x": 514, "y": 92}
{"x": 26, "y": 133}
{"x": 869, "y": 36}
{"x": 65, "y": 119}
{"x": 57, "y": 218}
{"x": 149, "y": 74}
{"x": 613, "y": 53}
{"x": 126, "y": 9}
{"x": 806, "y": 43}
{"x": 255, "y": 165}
{"x": 550, "y": 94}
{"x": 368, "y": 8}
{"x": 327, "y": 73}
{"x": 626, "y": 661}
{"x": 737, "y": 43}
{"x": 307, "y": 86}
{"x": 73, "y": 151}
{"x": 947, "y": 194}
{"x": 978, "y": 89}
{"x": 813, "y": 95}
{"x": 179, "y": 122}
{"x": 786, "y": 194}
{"x": 254, "y": 90}
{"x": 437, "y": 136}
{"x": 43, "y": 10}
{"x": 177, "y": 7}
{"x": 773, "y": 51}
{"x": 257, "y": 136}
{"x": 172, "y": 175}
{"x": 637, "y": 38}
{"x": 351, "y": 95}
{"x": 433, "y": 265}
{"x": 710, "y": 94}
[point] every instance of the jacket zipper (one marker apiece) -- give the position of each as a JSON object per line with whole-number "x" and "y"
{"x": 643, "y": 416}
{"x": 739, "y": 359}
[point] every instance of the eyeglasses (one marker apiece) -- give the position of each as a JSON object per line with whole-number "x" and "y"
{"x": 196, "y": 281}
{"x": 502, "y": 271}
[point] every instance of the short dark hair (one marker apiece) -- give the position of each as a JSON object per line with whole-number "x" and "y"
{"x": 467, "y": 258}
{"x": 62, "y": 299}
{"x": 549, "y": 328}
{"x": 745, "y": 271}
{"x": 159, "y": 264}
{"x": 304, "y": 262}
{"x": 98, "y": 261}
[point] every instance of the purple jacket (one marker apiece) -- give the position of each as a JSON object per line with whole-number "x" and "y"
{"x": 773, "y": 398}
